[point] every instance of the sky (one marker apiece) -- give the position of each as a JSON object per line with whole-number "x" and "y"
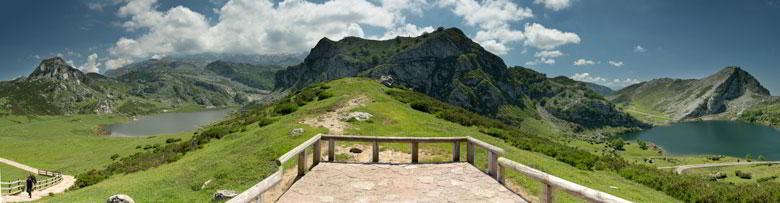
{"x": 610, "y": 42}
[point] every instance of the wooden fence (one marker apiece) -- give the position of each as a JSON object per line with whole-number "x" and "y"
{"x": 19, "y": 186}
{"x": 496, "y": 164}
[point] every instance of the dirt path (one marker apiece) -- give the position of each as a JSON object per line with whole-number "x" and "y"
{"x": 334, "y": 120}
{"x": 680, "y": 169}
{"x": 67, "y": 182}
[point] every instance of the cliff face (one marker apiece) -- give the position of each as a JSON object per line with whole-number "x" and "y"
{"x": 449, "y": 66}
{"x": 723, "y": 95}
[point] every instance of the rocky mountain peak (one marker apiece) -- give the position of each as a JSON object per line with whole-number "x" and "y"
{"x": 57, "y": 69}
{"x": 737, "y": 80}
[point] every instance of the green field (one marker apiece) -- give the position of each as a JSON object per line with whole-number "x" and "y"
{"x": 239, "y": 160}
{"x": 10, "y": 173}
{"x": 757, "y": 172}
{"x": 66, "y": 143}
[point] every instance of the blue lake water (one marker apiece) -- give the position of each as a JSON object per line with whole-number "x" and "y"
{"x": 714, "y": 137}
{"x": 167, "y": 123}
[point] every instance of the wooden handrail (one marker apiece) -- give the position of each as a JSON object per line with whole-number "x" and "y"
{"x": 255, "y": 193}
{"x": 552, "y": 182}
{"x": 297, "y": 150}
{"x": 486, "y": 146}
{"x": 355, "y": 138}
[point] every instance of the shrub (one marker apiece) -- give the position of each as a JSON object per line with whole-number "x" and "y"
{"x": 743, "y": 175}
{"x": 265, "y": 121}
{"x": 285, "y": 108}
{"x": 324, "y": 95}
{"x": 172, "y": 140}
{"x": 766, "y": 179}
{"x": 420, "y": 106}
{"x": 617, "y": 143}
{"x": 114, "y": 157}
{"x": 642, "y": 144}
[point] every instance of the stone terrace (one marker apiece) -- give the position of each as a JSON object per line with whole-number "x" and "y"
{"x": 450, "y": 182}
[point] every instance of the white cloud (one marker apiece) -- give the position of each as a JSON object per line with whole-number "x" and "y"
{"x": 539, "y": 37}
{"x": 407, "y": 30}
{"x": 583, "y": 62}
{"x": 639, "y": 49}
{"x": 615, "y": 63}
{"x": 112, "y": 64}
{"x": 91, "y": 65}
{"x": 493, "y": 17}
{"x": 555, "y": 5}
{"x": 548, "y": 54}
{"x": 256, "y": 26}
{"x": 614, "y": 83}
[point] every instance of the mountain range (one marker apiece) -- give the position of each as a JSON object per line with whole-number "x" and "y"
{"x": 444, "y": 64}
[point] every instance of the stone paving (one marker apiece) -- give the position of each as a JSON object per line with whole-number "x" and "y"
{"x": 450, "y": 182}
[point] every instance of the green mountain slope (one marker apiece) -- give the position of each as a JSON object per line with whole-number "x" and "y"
{"x": 722, "y": 95}
{"x": 244, "y": 156}
{"x": 449, "y": 66}
{"x": 766, "y": 114}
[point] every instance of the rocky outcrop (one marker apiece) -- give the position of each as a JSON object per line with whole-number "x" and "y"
{"x": 56, "y": 69}
{"x": 120, "y": 198}
{"x": 449, "y": 66}
{"x": 723, "y": 95}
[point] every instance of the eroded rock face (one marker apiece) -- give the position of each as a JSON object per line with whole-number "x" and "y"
{"x": 57, "y": 69}
{"x": 449, "y": 66}
{"x": 722, "y": 95}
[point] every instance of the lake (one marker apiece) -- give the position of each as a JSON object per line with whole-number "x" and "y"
{"x": 714, "y": 137}
{"x": 166, "y": 123}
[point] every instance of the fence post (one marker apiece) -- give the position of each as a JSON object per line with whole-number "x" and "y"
{"x": 501, "y": 175}
{"x": 456, "y": 151}
{"x": 316, "y": 153}
{"x": 548, "y": 193}
{"x": 470, "y": 152}
{"x": 375, "y": 151}
{"x": 415, "y": 152}
{"x": 331, "y": 150}
{"x": 493, "y": 164}
{"x": 302, "y": 163}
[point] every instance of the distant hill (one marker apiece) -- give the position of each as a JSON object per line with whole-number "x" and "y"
{"x": 723, "y": 95}
{"x": 602, "y": 90}
{"x": 449, "y": 66}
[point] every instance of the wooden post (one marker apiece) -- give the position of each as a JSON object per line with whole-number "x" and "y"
{"x": 375, "y": 150}
{"x": 415, "y": 152}
{"x": 302, "y": 163}
{"x": 316, "y": 151}
{"x": 548, "y": 193}
{"x": 501, "y": 175}
{"x": 456, "y": 151}
{"x": 470, "y": 152}
{"x": 493, "y": 164}
{"x": 331, "y": 150}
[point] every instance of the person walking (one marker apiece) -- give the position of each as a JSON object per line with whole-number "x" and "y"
{"x": 31, "y": 181}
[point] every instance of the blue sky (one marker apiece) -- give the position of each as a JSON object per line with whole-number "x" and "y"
{"x": 616, "y": 42}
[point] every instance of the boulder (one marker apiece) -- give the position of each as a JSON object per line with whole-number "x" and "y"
{"x": 296, "y": 132}
{"x": 120, "y": 198}
{"x": 359, "y": 116}
{"x": 224, "y": 195}
{"x": 356, "y": 150}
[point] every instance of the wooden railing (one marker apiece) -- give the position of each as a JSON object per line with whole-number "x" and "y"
{"x": 18, "y": 186}
{"x": 496, "y": 164}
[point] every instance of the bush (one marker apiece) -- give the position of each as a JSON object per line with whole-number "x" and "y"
{"x": 420, "y": 106}
{"x": 324, "y": 95}
{"x": 265, "y": 121}
{"x": 285, "y": 108}
{"x": 642, "y": 144}
{"x": 766, "y": 179}
{"x": 743, "y": 175}
{"x": 114, "y": 157}
{"x": 617, "y": 144}
{"x": 172, "y": 140}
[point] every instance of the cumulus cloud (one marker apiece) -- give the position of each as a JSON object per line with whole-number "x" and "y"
{"x": 545, "y": 57}
{"x": 639, "y": 49}
{"x": 615, "y": 63}
{"x": 255, "y": 26}
{"x": 555, "y": 5}
{"x": 613, "y": 83}
{"x": 91, "y": 65}
{"x": 543, "y": 38}
{"x": 493, "y": 17}
{"x": 112, "y": 64}
{"x": 583, "y": 62}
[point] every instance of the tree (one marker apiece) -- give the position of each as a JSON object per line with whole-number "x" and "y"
{"x": 617, "y": 144}
{"x": 642, "y": 144}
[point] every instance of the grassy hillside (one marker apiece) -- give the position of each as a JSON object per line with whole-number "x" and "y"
{"x": 242, "y": 158}
{"x": 768, "y": 114}
{"x": 66, "y": 143}
{"x": 10, "y": 173}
